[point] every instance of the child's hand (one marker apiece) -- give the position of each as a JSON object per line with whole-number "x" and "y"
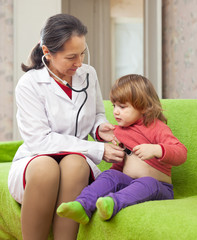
{"x": 148, "y": 151}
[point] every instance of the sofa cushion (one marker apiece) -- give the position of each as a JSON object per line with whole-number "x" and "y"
{"x": 10, "y": 227}
{"x": 153, "y": 220}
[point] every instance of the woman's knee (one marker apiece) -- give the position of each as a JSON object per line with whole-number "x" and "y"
{"x": 43, "y": 170}
{"x": 74, "y": 166}
{"x": 75, "y": 173}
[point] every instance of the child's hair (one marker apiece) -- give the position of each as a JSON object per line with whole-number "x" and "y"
{"x": 140, "y": 93}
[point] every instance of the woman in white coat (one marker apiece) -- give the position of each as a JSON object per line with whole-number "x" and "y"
{"x": 56, "y": 161}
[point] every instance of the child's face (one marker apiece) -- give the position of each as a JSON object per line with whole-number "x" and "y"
{"x": 125, "y": 114}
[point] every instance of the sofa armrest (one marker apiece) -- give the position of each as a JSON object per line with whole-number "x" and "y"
{"x": 8, "y": 150}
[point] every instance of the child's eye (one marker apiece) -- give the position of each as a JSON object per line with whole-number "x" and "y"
{"x": 122, "y": 106}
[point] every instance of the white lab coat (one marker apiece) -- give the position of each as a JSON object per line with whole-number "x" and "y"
{"x": 46, "y": 116}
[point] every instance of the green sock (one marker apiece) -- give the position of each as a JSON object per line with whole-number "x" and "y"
{"x": 73, "y": 210}
{"x": 105, "y": 206}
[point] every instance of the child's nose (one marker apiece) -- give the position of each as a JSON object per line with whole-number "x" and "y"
{"x": 116, "y": 112}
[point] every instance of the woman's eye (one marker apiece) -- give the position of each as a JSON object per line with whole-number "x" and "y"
{"x": 70, "y": 58}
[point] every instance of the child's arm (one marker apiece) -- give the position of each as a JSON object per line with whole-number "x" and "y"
{"x": 165, "y": 147}
{"x": 174, "y": 152}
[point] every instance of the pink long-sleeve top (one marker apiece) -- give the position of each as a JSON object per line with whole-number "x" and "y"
{"x": 174, "y": 152}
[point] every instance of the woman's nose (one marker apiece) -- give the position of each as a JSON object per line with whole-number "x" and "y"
{"x": 79, "y": 61}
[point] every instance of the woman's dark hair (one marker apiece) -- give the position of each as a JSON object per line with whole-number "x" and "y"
{"x": 57, "y": 30}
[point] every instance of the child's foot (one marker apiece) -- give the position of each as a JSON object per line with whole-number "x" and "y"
{"x": 73, "y": 210}
{"x": 105, "y": 206}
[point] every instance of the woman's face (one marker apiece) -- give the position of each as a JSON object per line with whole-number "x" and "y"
{"x": 65, "y": 63}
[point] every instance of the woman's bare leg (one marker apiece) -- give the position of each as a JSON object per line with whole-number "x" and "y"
{"x": 39, "y": 201}
{"x": 74, "y": 177}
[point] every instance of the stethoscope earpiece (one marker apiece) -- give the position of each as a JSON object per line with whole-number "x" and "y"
{"x": 47, "y": 54}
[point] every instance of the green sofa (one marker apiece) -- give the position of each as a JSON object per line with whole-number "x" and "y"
{"x": 155, "y": 220}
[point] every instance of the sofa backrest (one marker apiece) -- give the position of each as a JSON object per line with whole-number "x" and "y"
{"x": 182, "y": 119}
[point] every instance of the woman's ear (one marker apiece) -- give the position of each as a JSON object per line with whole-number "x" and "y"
{"x": 46, "y": 52}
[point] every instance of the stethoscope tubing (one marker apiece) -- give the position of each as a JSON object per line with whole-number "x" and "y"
{"x": 86, "y": 97}
{"x": 75, "y": 90}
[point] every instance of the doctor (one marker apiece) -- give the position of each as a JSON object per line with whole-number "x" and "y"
{"x": 59, "y": 104}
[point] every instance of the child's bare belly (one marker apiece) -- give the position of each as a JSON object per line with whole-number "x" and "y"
{"x": 136, "y": 168}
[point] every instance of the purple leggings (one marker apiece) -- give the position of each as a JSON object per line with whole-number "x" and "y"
{"x": 124, "y": 190}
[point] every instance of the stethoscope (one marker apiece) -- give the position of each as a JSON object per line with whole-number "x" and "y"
{"x": 75, "y": 90}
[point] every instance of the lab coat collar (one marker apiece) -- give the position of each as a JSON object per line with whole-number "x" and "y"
{"x": 42, "y": 76}
{"x": 77, "y": 82}
{"x": 78, "y": 78}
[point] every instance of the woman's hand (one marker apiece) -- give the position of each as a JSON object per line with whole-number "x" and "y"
{"x": 113, "y": 153}
{"x": 148, "y": 151}
{"x": 105, "y": 132}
